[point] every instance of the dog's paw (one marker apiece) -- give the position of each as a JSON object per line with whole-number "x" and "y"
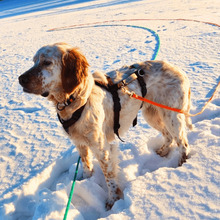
{"x": 183, "y": 159}
{"x": 110, "y": 201}
{"x": 87, "y": 174}
{"x": 163, "y": 151}
{"x": 109, "y": 204}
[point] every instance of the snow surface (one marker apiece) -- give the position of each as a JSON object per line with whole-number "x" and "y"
{"x": 37, "y": 160}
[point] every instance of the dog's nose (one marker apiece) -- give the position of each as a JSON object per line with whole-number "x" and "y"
{"x": 23, "y": 80}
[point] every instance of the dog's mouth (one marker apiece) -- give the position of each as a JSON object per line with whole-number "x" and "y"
{"x": 25, "y": 81}
{"x": 44, "y": 94}
{"x": 27, "y": 90}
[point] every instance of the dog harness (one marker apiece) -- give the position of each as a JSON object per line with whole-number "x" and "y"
{"x": 75, "y": 117}
{"x": 117, "y": 79}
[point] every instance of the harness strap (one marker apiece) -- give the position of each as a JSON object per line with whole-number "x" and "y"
{"x": 140, "y": 73}
{"x": 102, "y": 85}
{"x": 75, "y": 117}
{"x": 113, "y": 89}
{"x": 117, "y": 107}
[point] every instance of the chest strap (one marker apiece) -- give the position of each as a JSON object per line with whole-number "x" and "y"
{"x": 113, "y": 89}
{"x": 75, "y": 117}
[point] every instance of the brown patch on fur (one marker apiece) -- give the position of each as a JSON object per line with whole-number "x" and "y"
{"x": 119, "y": 193}
{"x": 94, "y": 131}
{"x": 74, "y": 69}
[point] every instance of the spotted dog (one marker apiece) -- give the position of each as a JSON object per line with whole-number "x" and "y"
{"x": 60, "y": 73}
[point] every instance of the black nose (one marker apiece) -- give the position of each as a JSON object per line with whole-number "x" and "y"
{"x": 23, "y": 80}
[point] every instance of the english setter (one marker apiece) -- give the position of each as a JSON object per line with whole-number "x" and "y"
{"x": 60, "y": 72}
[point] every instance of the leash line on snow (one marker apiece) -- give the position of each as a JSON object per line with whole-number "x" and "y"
{"x": 154, "y": 34}
{"x": 72, "y": 190}
{"x": 103, "y": 24}
{"x": 134, "y": 19}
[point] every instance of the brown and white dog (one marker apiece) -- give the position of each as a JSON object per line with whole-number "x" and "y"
{"x": 61, "y": 71}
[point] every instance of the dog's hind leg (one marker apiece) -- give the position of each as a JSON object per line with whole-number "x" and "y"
{"x": 168, "y": 139}
{"x": 176, "y": 125}
{"x": 154, "y": 119}
{"x": 86, "y": 157}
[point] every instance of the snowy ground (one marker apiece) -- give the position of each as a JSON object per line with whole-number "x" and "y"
{"x": 37, "y": 160}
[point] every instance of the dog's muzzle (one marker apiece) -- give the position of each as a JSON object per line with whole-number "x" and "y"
{"x": 27, "y": 79}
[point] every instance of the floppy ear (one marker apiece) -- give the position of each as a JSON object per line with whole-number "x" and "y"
{"x": 74, "y": 69}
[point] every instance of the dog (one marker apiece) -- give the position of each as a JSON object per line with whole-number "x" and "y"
{"x": 61, "y": 73}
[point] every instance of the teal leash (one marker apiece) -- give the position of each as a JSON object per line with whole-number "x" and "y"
{"x": 156, "y": 50}
{"x": 71, "y": 191}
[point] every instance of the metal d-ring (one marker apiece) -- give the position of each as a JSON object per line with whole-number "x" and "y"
{"x": 139, "y": 72}
{"x": 60, "y": 108}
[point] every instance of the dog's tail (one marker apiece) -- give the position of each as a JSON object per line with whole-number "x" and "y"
{"x": 188, "y": 119}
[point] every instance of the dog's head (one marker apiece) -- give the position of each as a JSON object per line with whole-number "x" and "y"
{"x": 58, "y": 68}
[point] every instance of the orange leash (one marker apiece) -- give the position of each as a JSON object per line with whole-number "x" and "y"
{"x": 133, "y": 95}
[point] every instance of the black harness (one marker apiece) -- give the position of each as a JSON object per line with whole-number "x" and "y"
{"x": 140, "y": 74}
{"x": 75, "y": 117}
{"x": 113, "y": 89}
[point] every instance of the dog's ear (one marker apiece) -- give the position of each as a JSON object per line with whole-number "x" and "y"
{"x": 74, "y": 69}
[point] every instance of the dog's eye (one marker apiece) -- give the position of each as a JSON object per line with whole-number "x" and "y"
{"x": 47, "y": 63}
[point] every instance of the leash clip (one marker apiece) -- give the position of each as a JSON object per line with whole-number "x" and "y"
{"x": 128, "y": 92}
{"x": 131, "y": 94}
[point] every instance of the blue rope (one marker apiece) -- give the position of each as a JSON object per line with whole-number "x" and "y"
{"x": 156, "y": 36}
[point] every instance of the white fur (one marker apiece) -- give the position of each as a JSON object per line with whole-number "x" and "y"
{"x": 93, "y": 132}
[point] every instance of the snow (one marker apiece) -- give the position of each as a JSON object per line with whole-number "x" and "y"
{"x": 38, "y": 161}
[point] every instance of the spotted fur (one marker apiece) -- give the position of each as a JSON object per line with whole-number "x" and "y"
{"x": 60, "y": 71}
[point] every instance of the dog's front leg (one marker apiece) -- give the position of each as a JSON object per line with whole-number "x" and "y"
{"x": 108, "y": 163}
{"x": 86, "y": 157}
